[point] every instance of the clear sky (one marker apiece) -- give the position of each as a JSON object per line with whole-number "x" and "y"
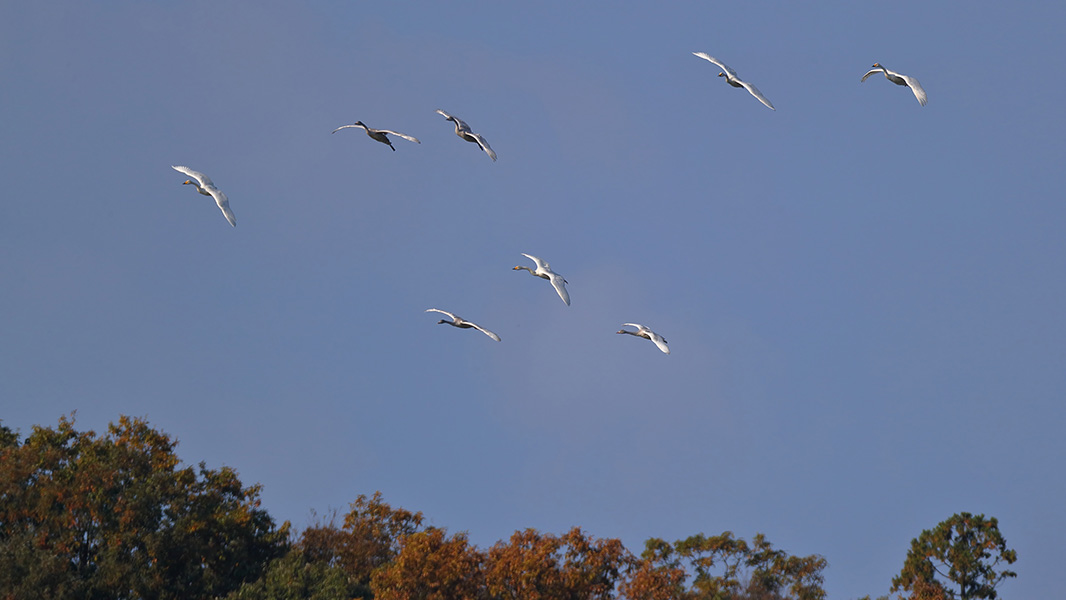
{"x": 864, "y": 297}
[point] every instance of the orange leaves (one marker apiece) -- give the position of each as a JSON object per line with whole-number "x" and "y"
{"x": 116, "y": 515}
{"x": 431, "y": 566}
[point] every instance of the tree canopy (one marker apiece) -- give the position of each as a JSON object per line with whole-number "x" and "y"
{"x": 117, "y": 516}
{"x": 959, "y": 558}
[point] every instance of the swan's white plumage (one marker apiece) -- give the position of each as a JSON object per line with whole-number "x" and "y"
{"x": 734, "y": 80}
{"x": 380, "y": 135}
{"x": 900, "y": 79}
{"x": 205, "y": 186}
{"x": 647, "y": 334}
{"x": 544, "y": 271}
{"x": 463, "y": 131}
{"x": 457, "y": 321}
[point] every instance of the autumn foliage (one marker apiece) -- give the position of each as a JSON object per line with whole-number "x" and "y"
{"x": 117, "y": 516}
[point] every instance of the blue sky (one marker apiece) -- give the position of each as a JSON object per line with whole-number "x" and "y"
{"x": 863, "y": 297}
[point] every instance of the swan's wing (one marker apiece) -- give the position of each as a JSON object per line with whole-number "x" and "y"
{"x": 461, "y": 124}
{"x": 443, "y": 312}
{"x": 541, "y": 264}
{"x": 916, "y": 87}
{"x": 223, "y": 204}
{"x": 637, "y": 325}
{"x": 560, "y": 287}
{"x": 484, "y": 145}
{"x": 659, "y": 341}
{"x": 409, "y": 138}
{"x": 868, "y": 73}
{"x": 345, "y": 127}
{"x": 203, "y": 180}
{"x": 755, "y": 92}
{"x": 720, "y": 64}
{"x": 483, "y": 330}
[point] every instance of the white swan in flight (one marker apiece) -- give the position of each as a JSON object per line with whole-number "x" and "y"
{"x": 381, "y": 135}
{"x": 463, "y": 130}
{"x": 205, "y": 186}
{"x": 544, "y": 271}
{"x": 733, "y": 80}
{"x": 647, "y": 334}
{"x": 462, "y": 323}
{"x": 899, "y": 79}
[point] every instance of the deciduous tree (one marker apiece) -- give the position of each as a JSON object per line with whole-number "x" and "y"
{"x": 656, "y": 575}
{"x": 296, "y": 577}
{"x": 115, "y": 516}
{"x": 431, "y": 566}
{"x": 536, "y": 566}
{"x": 724, "y": 567}
{"x": 370, "y": 538}
{"x": 959, "y": 558}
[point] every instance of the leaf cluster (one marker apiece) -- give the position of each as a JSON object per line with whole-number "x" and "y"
{"x": 959, "y": 558}
{"x": 116, "y": 516}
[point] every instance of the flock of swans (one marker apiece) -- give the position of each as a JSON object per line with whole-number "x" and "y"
{"x": 205, "y": 186}
{"x": 544, "y": 271}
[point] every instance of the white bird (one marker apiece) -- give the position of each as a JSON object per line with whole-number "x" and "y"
{"x": 733, "y": 80}
{"x": 463, "y": 130}
{"x": 462, "y": 323}
{"x": 544, "y": 271}
{"x": 205, "y": 186}
{"x": 647, "y": 334}
{"x": 381, "y": 135}
{"x": 899, "y": 79}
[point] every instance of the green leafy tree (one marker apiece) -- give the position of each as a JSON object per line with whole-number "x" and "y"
{"x": 296, "y": 577}
{"x": 8, "y": 438}
{"x": 965, "y": 551}
{"x": 115, "y": 516}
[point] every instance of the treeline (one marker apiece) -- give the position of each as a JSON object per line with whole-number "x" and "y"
{"x": 118, "y": 517}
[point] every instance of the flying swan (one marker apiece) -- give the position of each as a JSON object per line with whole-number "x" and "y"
{"x": 544, "y": 271}
{"x": 381, "y": 135}
{"x": 899, "y": 79}
{"x": 463, "y": 130}
{"x": 647, "y": 334}
{"x": 732, "y": 79}
{"x": 461, "y": 323}
{"x": 205, "y": 186}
